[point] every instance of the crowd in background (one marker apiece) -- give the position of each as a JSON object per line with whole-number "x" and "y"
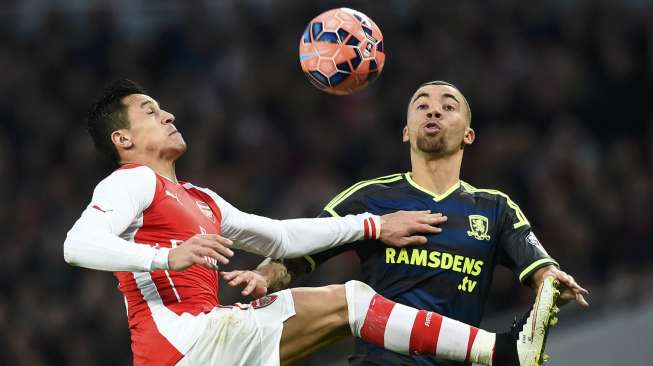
{"x": 559, "y": 92}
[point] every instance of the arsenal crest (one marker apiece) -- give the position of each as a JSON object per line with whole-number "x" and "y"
{"x": 478, "y": 226}
{"x": 206, "y": 210}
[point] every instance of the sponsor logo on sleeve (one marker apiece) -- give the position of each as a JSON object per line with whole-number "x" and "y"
{"x": 532, "y": 240}
{"x": 263, "y": 301}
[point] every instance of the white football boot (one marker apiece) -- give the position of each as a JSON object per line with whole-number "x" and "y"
{"x": 535, "y": 328}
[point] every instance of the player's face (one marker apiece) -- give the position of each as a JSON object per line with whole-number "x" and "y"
{"x": 152, "y": 130}
{"x": 437, "y": 121}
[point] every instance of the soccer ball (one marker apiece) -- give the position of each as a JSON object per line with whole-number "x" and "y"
{"x": 341, "y": 51}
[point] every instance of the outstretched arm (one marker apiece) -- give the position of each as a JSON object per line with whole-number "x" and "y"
{"x": 274, "y": 275}
{"x": 297, "y": 237}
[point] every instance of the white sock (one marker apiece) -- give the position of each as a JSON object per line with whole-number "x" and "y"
{"x": 406, "y": 330}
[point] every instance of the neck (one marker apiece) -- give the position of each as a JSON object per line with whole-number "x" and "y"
{"x": 164, "y": 168}
{"x": 437, "y": 174}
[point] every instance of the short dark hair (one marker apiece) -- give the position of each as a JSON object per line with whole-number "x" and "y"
{"x": 108, "y": 114}
{"x": 442, "y": 82}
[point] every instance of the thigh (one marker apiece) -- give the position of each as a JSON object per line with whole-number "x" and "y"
{"x": 243, "y": 334}
{"x": 320, "y": 318}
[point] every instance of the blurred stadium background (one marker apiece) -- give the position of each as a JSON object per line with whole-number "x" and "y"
{"x": 559, "y": 91}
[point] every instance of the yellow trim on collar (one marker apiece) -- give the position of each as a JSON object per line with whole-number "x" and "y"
{"x": 436, "y": 197}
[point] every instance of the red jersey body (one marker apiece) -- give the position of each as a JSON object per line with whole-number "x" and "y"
{"x": 156, "y": 300}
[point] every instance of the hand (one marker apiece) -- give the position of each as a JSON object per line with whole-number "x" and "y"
{"x": 252, "y": 282}
{"x": 401, "y": 228}
{"x": 569, "y": 289}
{"x": 203, "y": 249}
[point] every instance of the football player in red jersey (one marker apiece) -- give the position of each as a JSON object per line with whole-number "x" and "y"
{"x": 163, "y": 239}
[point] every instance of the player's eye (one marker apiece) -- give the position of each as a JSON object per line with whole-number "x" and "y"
{"x": 449, "y": 108}
{"x": 150, "y": 111}
{"x": 422, "y": 106}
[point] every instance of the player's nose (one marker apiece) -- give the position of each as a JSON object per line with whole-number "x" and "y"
{"x": 168, "y": 118}
{"x": 434, "y": 114}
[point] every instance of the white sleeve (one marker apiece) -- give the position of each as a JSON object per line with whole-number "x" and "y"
{"x": 292, "y": 238}
{"x": 118, "y": 202}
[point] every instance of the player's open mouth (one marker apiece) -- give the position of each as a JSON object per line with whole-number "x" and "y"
{"x": 432, "y": 127}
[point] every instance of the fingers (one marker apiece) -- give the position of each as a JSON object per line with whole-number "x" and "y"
{"x": 434, "y": 219}
{"x": 211, "y": 253}
{"x": 244, "y": 279}
{"x": 251, "y": 285}
{"x": 412, "y": 240}
{"x": 204, "y": 261}
{"x": 218, "y": 243}
{"x": 580, "y": 299}
{"x": 568, "y": 295}
{"x": 569, "y": 281}
{"x": 229, "y": 275}
{"x": 216, "y": 250}
{"x": 215, "y": 237}
{"x": 427, "y": 229}
{"x": 572, "y": 290}
{"x": 235, "y": 278}
{"x": 237, "y": 281}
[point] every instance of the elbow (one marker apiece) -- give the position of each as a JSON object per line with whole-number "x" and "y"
{"x": 69, "y": 252}
{"x": 280, "y": 251}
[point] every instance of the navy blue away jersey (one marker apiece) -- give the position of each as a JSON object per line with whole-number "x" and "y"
{"x": 452, "y": 273}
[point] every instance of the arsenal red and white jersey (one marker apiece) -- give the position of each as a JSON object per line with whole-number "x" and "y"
{"x": 162, "y": 306}
{"x": 135, "y": 216}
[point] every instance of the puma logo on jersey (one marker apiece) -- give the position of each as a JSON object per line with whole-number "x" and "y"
{"x": 100, "y": 209}
{"x": 168, "y": 193}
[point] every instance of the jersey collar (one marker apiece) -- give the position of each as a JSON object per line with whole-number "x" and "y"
{"x": 436, "y": 197}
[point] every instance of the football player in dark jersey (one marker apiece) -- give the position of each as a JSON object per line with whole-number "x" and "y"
{"x": 452, "y": 273}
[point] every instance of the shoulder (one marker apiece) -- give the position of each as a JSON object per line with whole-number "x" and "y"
{"x": 365, "y": 188}
{"x": 188, "y": 186}
{"x": 484, "y": 193}
{"x": 209, "y": 196}
{"x": 130, "y": 178}
{"x": 129, "y": 175}
{"x": 496, "y": 198}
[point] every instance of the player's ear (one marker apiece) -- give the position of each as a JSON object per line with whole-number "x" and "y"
{"x": 470, "y": 136}
{"x": 122, "y": 139}
{"x": 404, "y": 138}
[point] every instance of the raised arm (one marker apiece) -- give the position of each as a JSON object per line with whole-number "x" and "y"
{"x": 297, "y": 237}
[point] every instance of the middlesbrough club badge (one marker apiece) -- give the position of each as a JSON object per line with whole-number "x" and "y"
{"x": 206, "y": 210}
{"x": 263, "y": 302}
